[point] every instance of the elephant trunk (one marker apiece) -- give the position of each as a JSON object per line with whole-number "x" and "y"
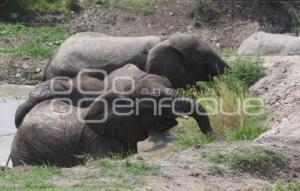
{"x": 192, "y": 108}
{"x": 23, "y": 109}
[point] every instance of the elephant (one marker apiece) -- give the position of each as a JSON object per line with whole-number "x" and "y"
{"x": 184, "y": 59}
{"x": 49, "y": 134}
{"x": 98, "y": 51}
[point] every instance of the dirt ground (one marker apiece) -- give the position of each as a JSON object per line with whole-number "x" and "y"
{"x": 185, "y": 169}
{"x": 280, "y": 91}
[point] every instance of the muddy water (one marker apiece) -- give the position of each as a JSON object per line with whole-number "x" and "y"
{"x": 10, "y": 97}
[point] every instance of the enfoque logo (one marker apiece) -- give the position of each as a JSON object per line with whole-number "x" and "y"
{"x": 115, "y": 100}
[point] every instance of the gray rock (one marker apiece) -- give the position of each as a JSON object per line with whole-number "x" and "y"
{"x": 262, "y": 43}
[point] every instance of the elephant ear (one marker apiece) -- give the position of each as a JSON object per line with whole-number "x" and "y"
{"x": 165, "y": 60}
{"x": 102, "y": 118}
{"x": 202, "y": 61}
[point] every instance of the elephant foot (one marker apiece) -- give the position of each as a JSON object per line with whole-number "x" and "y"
{"x": 156, "y": 141}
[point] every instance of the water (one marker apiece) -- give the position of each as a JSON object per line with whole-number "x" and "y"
{"x": 11, "y": 96}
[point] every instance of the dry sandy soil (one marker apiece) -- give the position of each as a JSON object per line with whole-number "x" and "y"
{"x": 280, "y": 91}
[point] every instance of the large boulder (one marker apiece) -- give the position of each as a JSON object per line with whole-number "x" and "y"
{"x": 262, "y": 43}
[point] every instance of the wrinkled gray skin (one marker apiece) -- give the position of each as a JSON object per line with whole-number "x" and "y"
{"x": 44, "y": 137}
{"x": 97, "y": 51}
{"x": 184, "y": 59}
{"x": 54, "y": 88}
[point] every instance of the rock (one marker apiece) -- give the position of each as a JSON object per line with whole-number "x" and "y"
{"x": 18, "y": 75}
{"x": 25, "y": 66}
{"x": 262, "y": 43}
{"x": 38, "y": 70}
{"x": 138, "y": 157}
{"x": 14, "y": 15}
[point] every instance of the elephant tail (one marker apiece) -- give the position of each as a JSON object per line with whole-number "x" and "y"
{"x": 7, "y": 162}
{"x": 45, "y": 76}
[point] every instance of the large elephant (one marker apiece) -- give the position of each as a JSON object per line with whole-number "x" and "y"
{"x": 184, "y": 59}
{"x": 97, "y": 51}
{"x": 49, "y": 134}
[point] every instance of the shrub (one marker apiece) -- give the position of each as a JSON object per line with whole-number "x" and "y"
{"x": 233, "y": 123}
{"x": 22, "y": 6}
{"x": 245, "y": 70}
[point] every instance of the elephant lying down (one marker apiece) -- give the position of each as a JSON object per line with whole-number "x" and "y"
{"x": 49, "y": 134}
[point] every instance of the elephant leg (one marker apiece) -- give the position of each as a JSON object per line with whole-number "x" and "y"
{"x": 99, "y": 146}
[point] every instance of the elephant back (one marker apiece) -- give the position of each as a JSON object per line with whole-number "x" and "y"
{"x": 93, "y": 51}
{"x": 47, "y": 137}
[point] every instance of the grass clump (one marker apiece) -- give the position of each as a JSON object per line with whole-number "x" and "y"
{"x": 30, "y": 178}
{"x": 23, "y": 6}
{"x": 116, "y": 167}
{"x": 189, "y": 135}
{"x": 291, "y": 186}
{"x": 33, "y": 41}
{"x": 233, "y": 111}
{"x": 258, "y": 160}
{"x": 142, "y": 6}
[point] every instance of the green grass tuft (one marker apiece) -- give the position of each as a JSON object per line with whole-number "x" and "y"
{"x": 259, "y": 160}
{"x": 116, "y": 167}
{"x": 291, "y": 186}
{"x": 33, "y": 178}
{"x": 189, "y": 135}
{"x": 142, "y": 6}
{"x": 23, "y": 6}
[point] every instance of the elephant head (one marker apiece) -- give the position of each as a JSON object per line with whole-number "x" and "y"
{"x": 184, "y": 59}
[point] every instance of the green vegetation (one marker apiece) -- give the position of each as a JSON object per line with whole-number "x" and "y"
{"x": 32, "y": 41}
{"x": 258, "y": 160}
{"x": 33, "y": 178}
{"x": 142, "y": 6}
{"x": 116, "y": 167}
{"x": 103, "y": 174}
{"x": 21, "y": 6}
{"x": 225, "y": 100}
{"x": 189, "y": 135}
{"x": 291, "y": 186}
